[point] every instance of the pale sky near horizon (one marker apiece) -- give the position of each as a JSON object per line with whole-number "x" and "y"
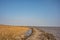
{"x": 30, "y": 12}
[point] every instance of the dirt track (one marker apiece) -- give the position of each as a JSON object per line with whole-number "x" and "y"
{"x": 40, "y": 35}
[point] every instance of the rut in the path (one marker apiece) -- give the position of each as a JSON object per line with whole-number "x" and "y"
{"x": 40, "y": 35}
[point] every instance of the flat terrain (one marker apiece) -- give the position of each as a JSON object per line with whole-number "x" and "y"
{"x": 53, "y": 30}
{"x": 17, "y": 32}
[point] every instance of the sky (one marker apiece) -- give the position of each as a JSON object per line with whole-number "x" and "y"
{"x": 30, "y": 12}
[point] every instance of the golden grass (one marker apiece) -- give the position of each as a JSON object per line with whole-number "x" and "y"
{"x": 12, "y": 32}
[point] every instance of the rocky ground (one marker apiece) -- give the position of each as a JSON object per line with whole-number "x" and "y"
{"x": 40, "y": 35}
{"x": 53, "y": 30}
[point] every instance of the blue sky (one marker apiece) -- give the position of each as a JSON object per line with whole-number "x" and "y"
{"x": 30, "y": 12}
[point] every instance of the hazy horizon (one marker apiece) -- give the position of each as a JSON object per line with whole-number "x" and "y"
{"x": 30, "y": 12}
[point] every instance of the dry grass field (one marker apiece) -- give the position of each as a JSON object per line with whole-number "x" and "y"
{"x": 21, "y": 32}
{"x": 12, "y": 32}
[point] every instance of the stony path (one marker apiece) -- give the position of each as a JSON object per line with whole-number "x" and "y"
{"x": 39, "y": 35}
{"x": 34, "y": 35}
